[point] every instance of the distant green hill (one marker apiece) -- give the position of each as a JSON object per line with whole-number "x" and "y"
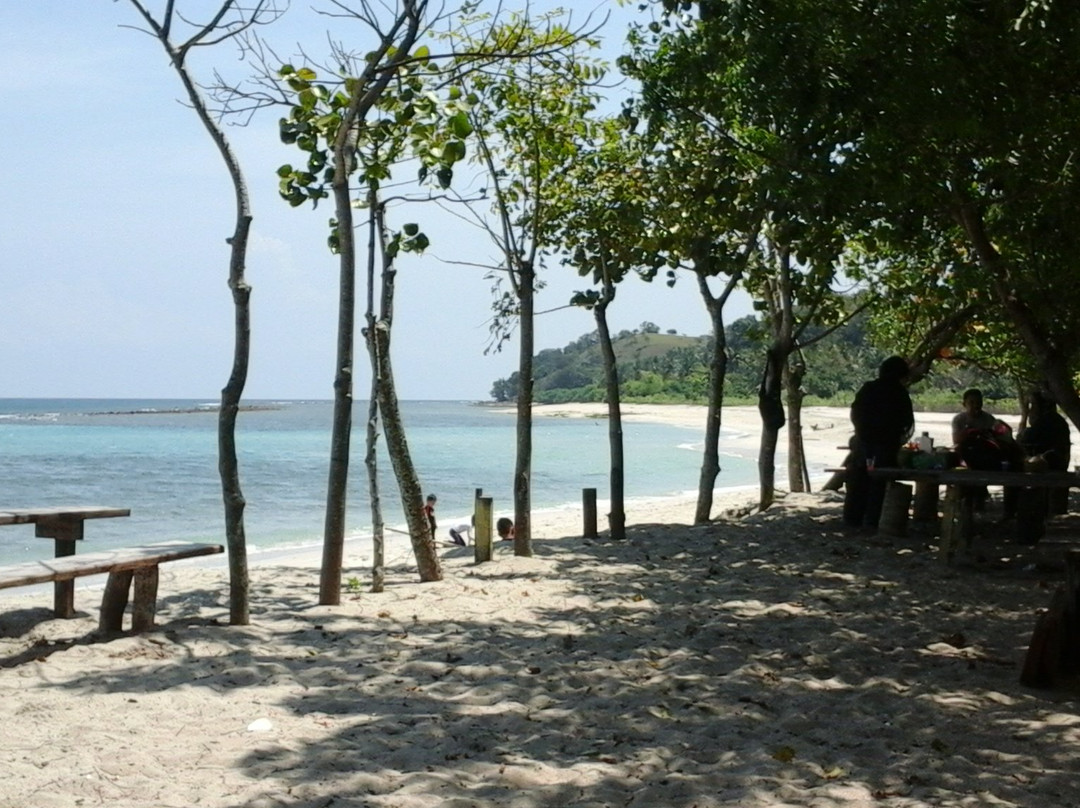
{"x": 668, "y": 367}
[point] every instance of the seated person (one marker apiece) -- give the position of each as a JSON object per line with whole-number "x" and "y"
{"x": 968, "y": 428}
{"x": 1047, "y": 434}
{"x": 973, "y": 417}
{"x": 1047, "y": 439}
{"x": 505, "y": 528}
{"x": 461, "y": 534}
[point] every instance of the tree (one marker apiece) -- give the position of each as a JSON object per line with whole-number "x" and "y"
{"x": 601, "y": 210}
{"x": 230, "y": 21}
{"x": 333, "y": 128}
{"x": 526, "y": 119}
{"x": 965, "y": 130}
{"x": 707, "y": 214}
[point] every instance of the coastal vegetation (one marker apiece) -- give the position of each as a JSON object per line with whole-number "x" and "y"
{"x": 665, "y": 367}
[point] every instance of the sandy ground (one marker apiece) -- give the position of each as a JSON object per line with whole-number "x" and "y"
{"x": 762, "y": 660}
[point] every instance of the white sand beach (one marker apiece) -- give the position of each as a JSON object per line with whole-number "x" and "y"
{"x": 759, "y": 661}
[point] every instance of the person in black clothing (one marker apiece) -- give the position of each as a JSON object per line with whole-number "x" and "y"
{"x": 429, "y": 512}
{"x": 883, "y": 421}
{"x": 1047, "y": 436}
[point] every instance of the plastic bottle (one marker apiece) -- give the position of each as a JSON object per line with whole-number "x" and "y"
{"x": 926, "y": 443}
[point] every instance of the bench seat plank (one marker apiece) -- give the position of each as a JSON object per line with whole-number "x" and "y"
{"x": 124, "y": 558}
{"x": 124, "y": 565}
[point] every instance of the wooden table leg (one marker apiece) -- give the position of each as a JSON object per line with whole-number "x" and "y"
{"x": 925, "y": 507}
{"x": 145, "y": 599}
{"x": 950, "y": 522}
{"x": 966, "y": 528}
{"x": 64, "y": 533}
{"x": 115, "y": 600}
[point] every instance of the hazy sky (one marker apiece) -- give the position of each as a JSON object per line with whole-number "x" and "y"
{"x": 112, "y": 233}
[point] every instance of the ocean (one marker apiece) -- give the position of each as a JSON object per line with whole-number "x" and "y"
{"x": 159, "y": 458}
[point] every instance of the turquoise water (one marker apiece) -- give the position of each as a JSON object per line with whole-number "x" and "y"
{"x": 159, "y": 458}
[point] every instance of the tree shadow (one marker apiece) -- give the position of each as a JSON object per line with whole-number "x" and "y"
{"x": 769, "y": 658}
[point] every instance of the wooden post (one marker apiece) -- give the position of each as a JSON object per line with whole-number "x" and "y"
{"x": 925, "y": 507}
{"x": 115, "y": 600}
{"x": 894, "y": 510}
{"x": 65, "y": 533}
{"x": 145, "y": 586}
{"x": 1031, "y": 506}
{"x": 484, "y": 524}
{"x": 950, "y": 523}
{"x": 588, "y": 509}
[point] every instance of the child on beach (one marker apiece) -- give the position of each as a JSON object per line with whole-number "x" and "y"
{"x": 505, "y": 528}
{"x": 429, "y": 512}
{"x": 461, "y": 534}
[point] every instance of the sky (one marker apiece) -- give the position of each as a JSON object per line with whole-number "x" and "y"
{"x": 113, "y": 260}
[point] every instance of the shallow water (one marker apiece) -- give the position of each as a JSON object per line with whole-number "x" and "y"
{"x": 159, "y": 458}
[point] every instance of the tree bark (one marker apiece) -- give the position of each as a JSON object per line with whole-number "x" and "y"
{"x": 798, "y": 476}
{"x": 412, "y": 497}
{"x": 523, "y": 462}
{"x": 341, "y": 425}
{"x": 771, "y": 408}
{"x": 378, "y": 532}
{"x": 378, "y": 526}
{"x": 710, "y": 463}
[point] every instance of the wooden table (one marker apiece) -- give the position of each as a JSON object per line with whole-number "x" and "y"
{"x": 64, "y": 525}
{"x": 957, "y": 526}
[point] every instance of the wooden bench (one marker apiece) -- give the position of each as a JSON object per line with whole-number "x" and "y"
{"x": 124, "y": 566}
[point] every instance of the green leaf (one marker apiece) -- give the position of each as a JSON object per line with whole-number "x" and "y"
{"x": 411, "y": 229}
{"x": 460, "y": 125}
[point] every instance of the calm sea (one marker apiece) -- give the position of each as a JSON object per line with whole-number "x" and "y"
{"x": 159, "y": 458}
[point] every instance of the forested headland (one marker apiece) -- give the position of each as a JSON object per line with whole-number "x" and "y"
{"x": 662, "y": 366}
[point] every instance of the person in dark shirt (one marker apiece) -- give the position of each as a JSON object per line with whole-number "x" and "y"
{"x": 883, "y": 421}
{"x": 429, "y": 512}
{"x": 1047, "y": 436}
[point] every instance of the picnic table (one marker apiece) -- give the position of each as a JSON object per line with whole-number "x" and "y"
{"x": 958, "y": 518}
{"x": 64, "y": 525}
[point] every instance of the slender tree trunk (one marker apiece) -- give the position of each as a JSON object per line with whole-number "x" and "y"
{"x": 378, "y": 532}
{"x": 710, "y": 464}
{"x": 228, "y": 465}
{"x": 378, "y": 526}
{"x": 798, "y": 476}
{"x": 412, "y": 497}
{"x": 341, "y": 426}
{"x": 617, "y": 516}
{"x": 771, "y": 407}
{"x": 523, "y": 463}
